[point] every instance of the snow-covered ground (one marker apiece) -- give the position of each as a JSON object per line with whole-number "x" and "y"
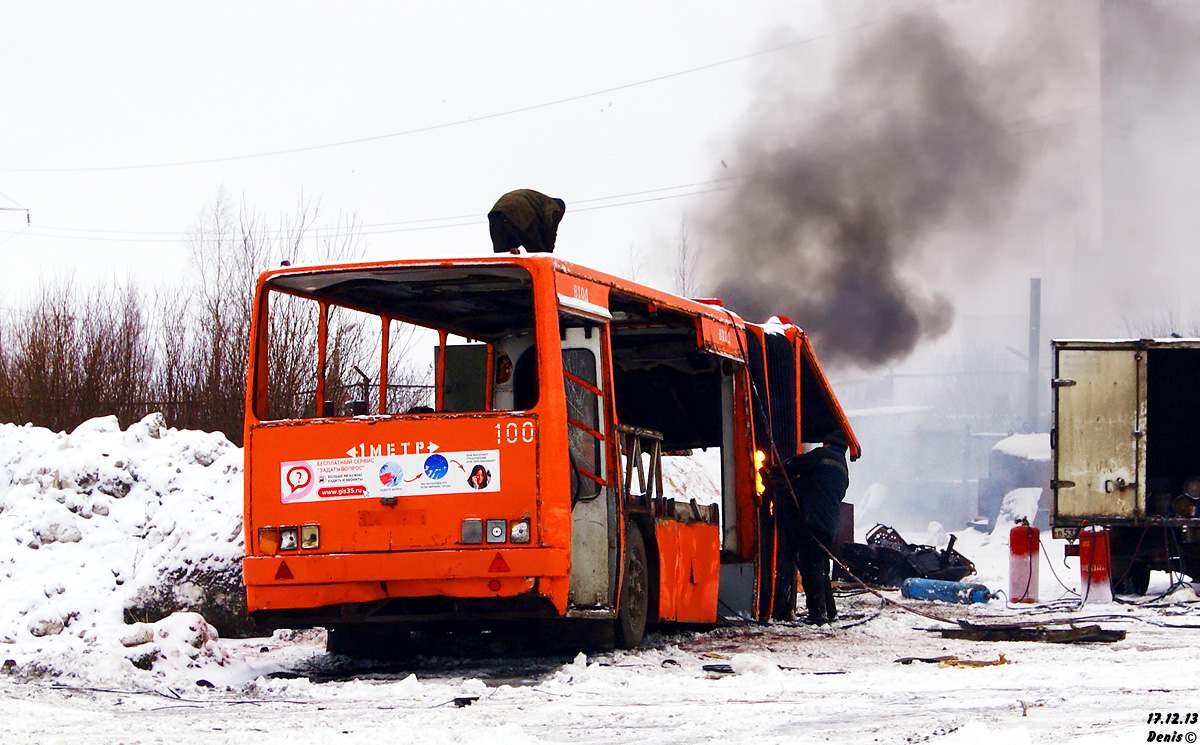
{"x": 109, "y": 512}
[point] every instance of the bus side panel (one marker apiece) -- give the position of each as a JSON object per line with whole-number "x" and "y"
{"x": 689, "y": 571}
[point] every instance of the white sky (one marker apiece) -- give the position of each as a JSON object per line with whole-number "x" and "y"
{"x": 623, "y": 109}
{"x": 97, "y": 96}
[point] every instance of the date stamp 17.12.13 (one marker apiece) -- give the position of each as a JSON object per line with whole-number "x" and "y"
{"x": 1165, "y": 726}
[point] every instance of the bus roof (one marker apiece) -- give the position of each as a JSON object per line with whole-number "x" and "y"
{"x": 711, "y": 310}
{"x": 712, "y": 315}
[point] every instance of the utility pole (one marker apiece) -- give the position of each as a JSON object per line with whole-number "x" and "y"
{"x": 1035, "y": 346}
{"x": 28, "y": 221}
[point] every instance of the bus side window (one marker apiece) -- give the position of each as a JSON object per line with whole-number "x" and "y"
{"x": 583, "y": 406}
{"x": 525, "y": 381}
{"x": 515, "y": 373}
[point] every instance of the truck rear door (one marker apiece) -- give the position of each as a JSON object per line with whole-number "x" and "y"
{"x": 1100, "y": 418}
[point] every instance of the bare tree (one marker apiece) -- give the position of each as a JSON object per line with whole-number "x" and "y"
{"x": 635, "y": 264}
{"x": 45, "y": 361}
{"x": 74, "y": 356}
{"x": 685, "y": 262}
{"x": 1167, "y": 323}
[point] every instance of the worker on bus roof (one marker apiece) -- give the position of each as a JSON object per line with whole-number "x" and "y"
{"x": 525, "y": 218}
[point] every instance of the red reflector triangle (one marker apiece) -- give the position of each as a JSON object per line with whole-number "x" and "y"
{"x": 284, "y": 572}
{"x": 499, "y": 564}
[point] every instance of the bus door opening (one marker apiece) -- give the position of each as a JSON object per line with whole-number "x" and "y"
{"x": 594, "y": 538}
{"x": 671, "y": 399}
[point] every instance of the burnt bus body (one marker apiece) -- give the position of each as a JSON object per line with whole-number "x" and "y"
{"x": 529, "y": 487}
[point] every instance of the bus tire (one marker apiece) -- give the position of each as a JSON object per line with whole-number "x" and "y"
{"x": 634, "y": 610}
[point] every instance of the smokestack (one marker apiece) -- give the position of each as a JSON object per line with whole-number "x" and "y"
{"x": 846, "y": 205}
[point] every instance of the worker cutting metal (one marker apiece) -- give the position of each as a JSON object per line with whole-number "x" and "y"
{"x": 819, "y": 479}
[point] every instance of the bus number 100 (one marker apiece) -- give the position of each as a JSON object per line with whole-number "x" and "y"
{"x": 512, "y": 433}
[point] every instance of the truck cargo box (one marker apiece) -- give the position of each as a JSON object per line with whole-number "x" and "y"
{"x": 1126, "y": 450}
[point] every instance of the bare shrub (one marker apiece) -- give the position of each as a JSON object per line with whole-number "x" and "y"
{"x": 72, "y": 358}
{"x": 73, "y": 355}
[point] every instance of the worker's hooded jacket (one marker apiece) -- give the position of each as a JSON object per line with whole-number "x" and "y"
{"x": 820, "y": 478}
{"x": 532, "y": 213}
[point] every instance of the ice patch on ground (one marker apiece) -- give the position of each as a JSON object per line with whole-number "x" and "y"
{"x": 978, "y": 733}
{"x": 748, "y": 664}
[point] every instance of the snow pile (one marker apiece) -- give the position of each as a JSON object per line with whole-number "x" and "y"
{"x": 1019, "y": 504}
{"x": 1034, "y": 446}
{"x": 750, "y": 664}
{"x": 100, "y": 525}
{"x": 693, "y": 477}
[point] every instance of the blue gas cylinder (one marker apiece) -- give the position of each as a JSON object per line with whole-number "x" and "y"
{"x": 918, "y": 588}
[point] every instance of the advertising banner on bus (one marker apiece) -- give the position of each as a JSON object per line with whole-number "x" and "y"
{"x": 395, "y": 475}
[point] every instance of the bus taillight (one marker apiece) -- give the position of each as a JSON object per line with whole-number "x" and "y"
{"x": 268, "y": 541}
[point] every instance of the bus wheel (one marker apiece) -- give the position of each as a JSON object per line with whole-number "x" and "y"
{"x": 635, "y": 592}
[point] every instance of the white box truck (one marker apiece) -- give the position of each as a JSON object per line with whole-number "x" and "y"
{"x": 1126, "y": 452}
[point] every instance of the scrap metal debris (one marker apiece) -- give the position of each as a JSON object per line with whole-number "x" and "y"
{"x": 951, "y": 660}
{"x": 1037, "y": 633}
{"x": 931, "y": 660}
{"x": 955, "y": 662}
{"x": 887, "y": 559}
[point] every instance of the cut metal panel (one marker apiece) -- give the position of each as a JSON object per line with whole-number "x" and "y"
{"x": 736, "y": 592}
{"x": 1100, "y": 456}
{"x": 689, "y": 574}
{"x": 729, "y": 513}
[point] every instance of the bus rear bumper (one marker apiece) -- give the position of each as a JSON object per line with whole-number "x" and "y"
{"x": 295, "y": 581}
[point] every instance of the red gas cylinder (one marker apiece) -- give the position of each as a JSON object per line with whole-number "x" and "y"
{"x": 1094, "y": 565}
{"x": 1023, "y": 556}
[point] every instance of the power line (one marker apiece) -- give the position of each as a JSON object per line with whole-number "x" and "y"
{"x": 13, "y": 234}
{"x": 404, "y": 226}
{"x": 474, "y": 217}
{"x": 19, "y": 208}
{"x": 19, "y": 205}
{"x": 1014, "y": 128}
{"x": 495, "y": 115}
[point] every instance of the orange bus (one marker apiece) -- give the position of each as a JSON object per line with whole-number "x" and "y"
{"x": 588, "y": 457}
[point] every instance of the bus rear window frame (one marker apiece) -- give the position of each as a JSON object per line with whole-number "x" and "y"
{"x": 314, "y": 286}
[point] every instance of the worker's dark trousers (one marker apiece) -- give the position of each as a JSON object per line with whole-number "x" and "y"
{"x": 506, "y": 236}
{"x": 813, "y": 563}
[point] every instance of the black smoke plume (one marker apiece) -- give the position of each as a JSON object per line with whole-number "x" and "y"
{"x": 843, "y": 199}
